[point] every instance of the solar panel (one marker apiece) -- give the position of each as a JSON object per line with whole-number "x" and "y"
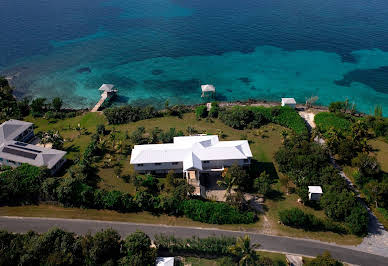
{"x": 21, "y": 143}
{"x": 27, "y": 149}
{"x": 19, "y": 153}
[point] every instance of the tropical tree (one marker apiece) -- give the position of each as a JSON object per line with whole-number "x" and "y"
{"x": 57, "y": 104}
{"x": 245, "y": 252}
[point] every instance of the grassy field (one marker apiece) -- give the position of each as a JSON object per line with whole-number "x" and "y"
{"x": 380, "y": 148}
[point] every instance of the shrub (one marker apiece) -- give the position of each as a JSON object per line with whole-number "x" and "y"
{"x": 288, "y": 117}
{"x": 358, "y": 220}
{"x": 201, "y": 112}
{"x": 215, "y": 212}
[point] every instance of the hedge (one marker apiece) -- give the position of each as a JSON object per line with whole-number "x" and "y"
{"x": 215, "y": 212}
{"x": 325, "y": 121}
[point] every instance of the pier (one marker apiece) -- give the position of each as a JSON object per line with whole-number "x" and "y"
{"x": 107, "y": 93}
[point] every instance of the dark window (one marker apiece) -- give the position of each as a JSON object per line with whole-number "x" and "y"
{"x": 140, "y": 164}
{"x": 246, "y": 160}
{"x": 206, "y": 161}
{"x": 174, "y": 163}
{"x": 157, "y": 163}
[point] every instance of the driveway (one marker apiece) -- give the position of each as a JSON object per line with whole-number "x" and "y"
{"x": 267, "y": 242}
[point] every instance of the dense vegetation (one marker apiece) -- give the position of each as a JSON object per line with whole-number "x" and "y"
{"x": 58, "y": 247}
{"x": 241, "y": 117}
{"x": 216, "y": 213}
{"x": 325, "y": 121}
{"x": 307, "y": 163}
{"x": 347, "y": 139}
{"x": 297, "y": 218}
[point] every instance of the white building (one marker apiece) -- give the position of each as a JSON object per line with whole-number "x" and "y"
{"x": 289, "y": 102}
{"x": 194, "y": 156}
{"x": 15, "y": 149}
{"x": 315, "y": 192}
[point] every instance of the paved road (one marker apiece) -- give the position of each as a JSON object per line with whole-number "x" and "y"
{"x": 274, "y": 243}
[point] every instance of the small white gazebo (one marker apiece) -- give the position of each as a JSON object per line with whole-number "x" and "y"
{"x": 315, "y": 192}
{"x": 108, "y": 88}
{"x": 289, "y": 102}
{"x": 208, "y": 89}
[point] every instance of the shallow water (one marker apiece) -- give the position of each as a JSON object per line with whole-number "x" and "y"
{"x": 154, "y": 50}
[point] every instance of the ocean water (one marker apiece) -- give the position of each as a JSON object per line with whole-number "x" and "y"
{"x": 154, "y": 50}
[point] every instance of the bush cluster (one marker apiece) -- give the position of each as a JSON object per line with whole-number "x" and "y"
{"x": 215, "y": 213}
{"x": 297, "y": 218}
{"x": 211, "y": 246}
{"x": 241, "y": 117}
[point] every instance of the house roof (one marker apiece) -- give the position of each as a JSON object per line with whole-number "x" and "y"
{"x": 31, "y": 154}
{"x": 288, "y": 101}
{"x": 315, "y": 189}
{"x": 10, "y": 129}
{"x": 191, "y": 150}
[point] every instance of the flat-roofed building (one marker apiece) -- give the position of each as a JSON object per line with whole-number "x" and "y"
{"x": 289, "y": 102}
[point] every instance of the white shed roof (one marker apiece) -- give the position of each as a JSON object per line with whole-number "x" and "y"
{"x": 191, "y": 150}
{"x": 165, "y": 261}
{"x": 288, "y": 101}
{"x": 208, "y": 87}
{"x": 315, "y": 189}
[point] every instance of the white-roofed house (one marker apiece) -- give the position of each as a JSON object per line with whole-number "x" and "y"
{"x": 289, "y": 102}
{"x": 194, "y": 156}
{"x": 315, "y": 192}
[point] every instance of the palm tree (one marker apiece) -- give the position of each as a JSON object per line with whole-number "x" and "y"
{"x": 245, "y": 251}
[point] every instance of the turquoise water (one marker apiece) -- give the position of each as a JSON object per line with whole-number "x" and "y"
{"x": 154, "y": 50}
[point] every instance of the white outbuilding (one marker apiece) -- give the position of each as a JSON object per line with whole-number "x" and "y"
{"x": 315, "y": 192}
{"x": 289, "y": 102}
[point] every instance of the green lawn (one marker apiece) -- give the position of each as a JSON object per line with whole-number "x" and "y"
{"x": 380, "y": 148}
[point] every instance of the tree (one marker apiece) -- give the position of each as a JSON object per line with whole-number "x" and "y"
{"x": 214, "y": 110}
{"x": 245, "y": 252}
{"x": 338, "y": 205}
{"x": 368, "y": 166}
{"x": 57, "y": 104}
{"x": 336, "y": 107}
{"x": 138, "y": 251}
{"x": 263, "y": 183}
{"x": 324, "y": 260}
{"x": 8, "y": 104}
{"x": 104, "y": 247}
{"x": 358, "y": 220}
{"x": 378, "y": 111}
{"x": 38, "y": 107}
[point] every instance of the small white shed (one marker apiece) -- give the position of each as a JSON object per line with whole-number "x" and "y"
{"x": 315, "y": 192}
{"x": 165, "y": 261}
{"x": 289, "y": 102}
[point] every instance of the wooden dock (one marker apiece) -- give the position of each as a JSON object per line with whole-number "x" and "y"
{"x": 104, "y": 96}
{"x": 107, "y": 93}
